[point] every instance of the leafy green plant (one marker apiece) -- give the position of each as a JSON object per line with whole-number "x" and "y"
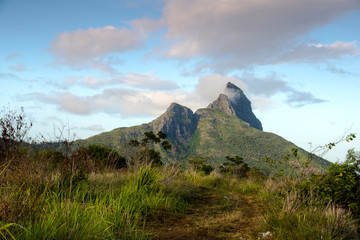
{"x": 200, "y": 164}
{"x": 52, "y": 157}
{"x": 340, "y": 183}
{"x": 104, "y": 156}
{"x": 142, "y": 151}
{"x": 235, "y": 165}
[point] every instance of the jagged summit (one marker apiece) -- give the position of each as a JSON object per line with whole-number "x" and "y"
{"x": 178, "y": 122}
{"x": 223, "y": 104}
{"x": 234, "y": 102}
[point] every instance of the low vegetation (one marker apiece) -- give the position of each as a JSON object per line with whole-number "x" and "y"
{"x": 92, "y": 192}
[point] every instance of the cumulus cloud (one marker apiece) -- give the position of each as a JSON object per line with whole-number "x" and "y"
{"x": 209, "y": 87}
{"x": 272, "y": 85}
{"x": 126, "y": 102}
{"x": 216, "y": 35}
{"x": 319, "y": 52}
{"x": 145, "y": 81}
{"x": 94, "y": 82}
{"x": 89, "y": 47}
{"x": 142, "y": 102}
{"x": 233, "y": 34}
{"x": 145, "y": 26}
{"x": 69, "y": 81}
{"x": 148, "y": 81}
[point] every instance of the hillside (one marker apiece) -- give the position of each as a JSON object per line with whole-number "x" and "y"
{"x": 227, "y": 127}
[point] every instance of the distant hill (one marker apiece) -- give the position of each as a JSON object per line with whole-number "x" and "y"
{"x": 227, "y": 127}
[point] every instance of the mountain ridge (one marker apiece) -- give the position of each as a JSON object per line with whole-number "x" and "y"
{"x": 227, "y": 127}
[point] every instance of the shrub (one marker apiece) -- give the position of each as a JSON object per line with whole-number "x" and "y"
{"x": 341, "y": 183}
{"x": 236, "y": 166}
{"x": 199, "y": 164}
{"x": 104, "y": 156}
{"x": 52, "y": 157}
{"x": 13, "y": 130}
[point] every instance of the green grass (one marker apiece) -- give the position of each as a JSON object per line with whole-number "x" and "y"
{"x": 122, "y": 204}
{"x": 96, "y": 209}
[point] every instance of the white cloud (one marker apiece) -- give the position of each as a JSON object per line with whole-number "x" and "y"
{"x": 93, "y": 82}
{"x": 89, "y": 47}
{"x": 272, "y": 85}
{"x": 113, "y": 101}
{"x": 263, "y": 103}
{"x": 209, "y": 87}
{"x": 145, "y": 81}
{"x": 320, "y": 52}
{"x": 217, "y": 36}
{"x": 232, "y": 34}
{"x": 145, "y": 26}
{"x": 72, "y": 103}
{"x": 71, "y": 81}
{"x": 140, "y": 102}
{"x": 148, "y": 81}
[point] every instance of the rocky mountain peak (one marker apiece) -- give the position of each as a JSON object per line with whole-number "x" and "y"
{"x": 234, "y": 102}
{"x": 223, "y": 104}
{"x": 178, "y": 122}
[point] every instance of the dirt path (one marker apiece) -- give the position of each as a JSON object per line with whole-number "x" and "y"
{"x": 212, "y": 216}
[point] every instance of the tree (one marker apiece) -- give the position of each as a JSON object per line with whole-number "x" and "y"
{"x": 104, "y": 156}
{"x": 142, "y": 152}
{"x": 14, "y": 127}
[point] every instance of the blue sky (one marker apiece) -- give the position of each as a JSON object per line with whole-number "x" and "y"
{"x": 96, "y": 65}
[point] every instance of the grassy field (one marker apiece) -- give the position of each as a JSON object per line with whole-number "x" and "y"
{"x": 160, "y": 202}
{"x": 58, "y": 191}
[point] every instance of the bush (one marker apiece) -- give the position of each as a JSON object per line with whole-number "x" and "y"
{"x": 236, "y": 166}
{"x": 52, "y": 157}
{"x": 199, "y": 164}
{"x": 13, "y": 130}
{"x": 341, "y": 183}
{"x": 104, "y": 156}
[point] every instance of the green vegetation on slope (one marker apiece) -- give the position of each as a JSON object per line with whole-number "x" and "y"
{"x": 219, "y": 135}
{"x": 216, "y": 135}
{"x": 52, "y": 194}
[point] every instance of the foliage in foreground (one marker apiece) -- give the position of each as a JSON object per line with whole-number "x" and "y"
{"x": 85, "y": 194}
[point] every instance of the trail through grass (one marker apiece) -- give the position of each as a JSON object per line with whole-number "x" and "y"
{"x": 212, "y": 215}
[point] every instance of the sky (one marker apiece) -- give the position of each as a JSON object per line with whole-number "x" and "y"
{"x": 96, "y": 65}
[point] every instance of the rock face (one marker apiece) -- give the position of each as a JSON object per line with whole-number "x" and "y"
{"x": 234, "y": 102}
{"x": 178, "y": 122}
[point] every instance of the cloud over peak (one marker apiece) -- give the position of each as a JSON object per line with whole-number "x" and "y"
{"x": 83, "y": 46}
{"x": 232, "y": 34}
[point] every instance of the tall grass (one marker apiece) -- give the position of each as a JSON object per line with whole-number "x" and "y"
{"x": 118, "y": 204}
{"x": 99, "y": 211}
{"x": 95, "y": 209}
{"x": 290, "y": 215}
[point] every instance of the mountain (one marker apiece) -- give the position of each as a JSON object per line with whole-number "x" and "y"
{"x": 227, "y": 127}
{"x": 236, "y": 103}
